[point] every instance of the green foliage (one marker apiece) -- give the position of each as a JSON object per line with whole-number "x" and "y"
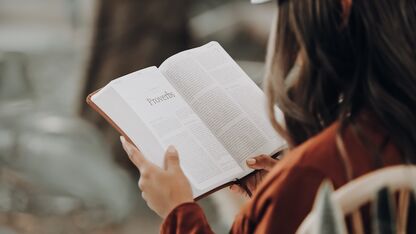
{"x": 411, "y": 220}
{"x": 384, "y": 220}
{"x": 328, "y": 214}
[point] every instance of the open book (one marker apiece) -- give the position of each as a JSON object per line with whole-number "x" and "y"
{"x": 201, "y": 102}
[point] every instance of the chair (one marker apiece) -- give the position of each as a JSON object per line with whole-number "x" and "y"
{"x": 368, "y": 188}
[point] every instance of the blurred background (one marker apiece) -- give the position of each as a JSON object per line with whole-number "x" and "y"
{"x": 62, "y": 169}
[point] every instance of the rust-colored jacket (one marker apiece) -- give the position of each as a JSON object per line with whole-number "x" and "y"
{"x": 286, "y": 195}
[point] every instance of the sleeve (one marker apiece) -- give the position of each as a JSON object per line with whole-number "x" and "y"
{"x": 281, "y": 204}
{"x": 186, "y": 218}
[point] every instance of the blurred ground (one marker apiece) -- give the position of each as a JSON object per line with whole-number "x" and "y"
{"x": 57, "y": 171}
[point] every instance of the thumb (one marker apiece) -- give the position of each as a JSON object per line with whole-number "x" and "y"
{"x": 171, "y": 158}
{"x": 262, "y": 162}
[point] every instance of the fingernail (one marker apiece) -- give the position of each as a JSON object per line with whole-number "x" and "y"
{"x": 126, "y": 145}
{"x": 171, "y": 149}
{"x": 251, "y": 161}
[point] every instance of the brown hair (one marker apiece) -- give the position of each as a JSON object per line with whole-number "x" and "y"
{"x": 355, "y": 55}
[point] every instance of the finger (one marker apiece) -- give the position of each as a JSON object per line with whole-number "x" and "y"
{"x": 144, "y": 196}
{"x": 171, "y": 158}
{"x": 263, "y": 162}
{"x": 237, "y": 189}
{"x": 141, "y": 184}
{"x": 134, "y": 154}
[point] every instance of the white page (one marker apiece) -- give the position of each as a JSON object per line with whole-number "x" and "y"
{"x": 172, "y": 122}
{"x": 225, "y": 98}
{"x": 110, "y": 102}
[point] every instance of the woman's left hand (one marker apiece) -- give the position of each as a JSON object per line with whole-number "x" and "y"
{"x": 162, "y": 188}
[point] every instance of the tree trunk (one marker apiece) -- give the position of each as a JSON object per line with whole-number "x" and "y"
{"x": 131, "y": 35}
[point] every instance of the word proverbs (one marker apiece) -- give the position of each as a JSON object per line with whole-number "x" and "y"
{"x": 159, "y": 99}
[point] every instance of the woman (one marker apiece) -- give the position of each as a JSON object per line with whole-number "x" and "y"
{"x": 344, "y": 74}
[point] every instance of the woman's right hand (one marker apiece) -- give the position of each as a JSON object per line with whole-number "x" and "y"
{"x": 263, "y": 164}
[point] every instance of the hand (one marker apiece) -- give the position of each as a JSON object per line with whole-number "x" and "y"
{"x": 263, "y": 164}
{"x": 162, "y": 188}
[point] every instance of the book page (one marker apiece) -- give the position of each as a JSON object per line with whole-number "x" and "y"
{"x": 225, "y": 98}
{"x": 172, "y": 122}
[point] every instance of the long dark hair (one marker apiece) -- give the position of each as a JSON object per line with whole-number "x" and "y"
{"x": 355, "y": 55}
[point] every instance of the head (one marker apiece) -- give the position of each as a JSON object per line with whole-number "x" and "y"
{"x": 332, "y": 59}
